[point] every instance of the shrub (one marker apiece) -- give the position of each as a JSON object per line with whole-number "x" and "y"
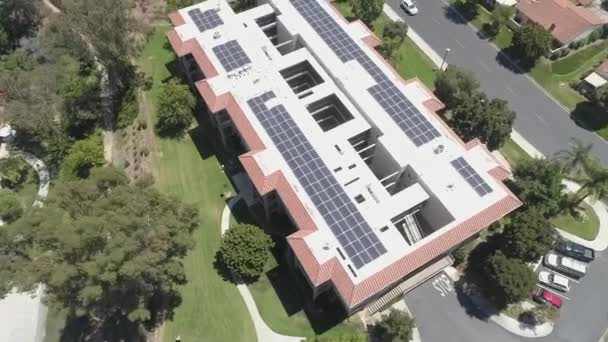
{"x": 13, "y": 172}
{"x": 595, "y": 35}
{"x": 10, "y": 208}
{"x": 128, "y": 109}
{"x": 174, "y": 110}
{"x": 396, "y": 326}
{"x": 244, "y": 250}
{"x": 564, "y": 52}
{"x": 554, "y": 56}
{"x": 82, "y": 157}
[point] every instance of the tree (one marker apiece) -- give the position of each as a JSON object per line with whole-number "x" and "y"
{"x": 476, "y": 117}
{"x": 500, "y": 17}
{"x": 10, "y": 208}
{"x": 594, "y": 184}
{"x": 600, "y": 97}
{"x": 531, "y": 42}
{"x": 18, "y": 19}
{"x": 105, "y": 250}
{"x": 511, "y": 279}
{"x": 82, "y": 157}
{"x": 575, "y": 159}
{"x": 175, "y": 105}
{"x": 244, "y": 250}
{"x": 455, "y": 84}
{"x": 528, "y": 236}
{"x": 393, "y": 36}
{"x": 174, "y": 5}
{"x": 13, "y": 172}
{"x": 538, "y": 183}
{"x": 367, "y": 10}
{"x": 395, "y": 326}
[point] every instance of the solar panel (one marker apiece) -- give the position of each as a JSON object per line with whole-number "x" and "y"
{"x": 231, "y": 55}
{"x": 471, "y": 176}
{"x": 205, "y": 20}
{"x": 413, "y": 123}
{"x": 345, "y": 221}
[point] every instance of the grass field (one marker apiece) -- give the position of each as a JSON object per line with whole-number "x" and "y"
{"x": 409, "y": 60}
{"x": 585, "y": 227}
{"x": 505, "y": 35}
{"x": 211, "y": 308}
{"x": 513, "y": 153}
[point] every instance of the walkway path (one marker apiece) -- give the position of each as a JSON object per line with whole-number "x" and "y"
{"x": 263, "y": 331}
{"x": 43, "y": 175}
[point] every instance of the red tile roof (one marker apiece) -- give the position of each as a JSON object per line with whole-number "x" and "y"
{"x": 602, "y": 70}
{"x": 331, "y": 270}
{"x": 561, "y": 17}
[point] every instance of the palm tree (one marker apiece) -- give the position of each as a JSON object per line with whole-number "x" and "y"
{"x": 595, "y": 183}
{"x": 574, "y": 161}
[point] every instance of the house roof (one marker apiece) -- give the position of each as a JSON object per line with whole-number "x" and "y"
{"x": 560, "y": 17}
{"x": 595, "y": 80}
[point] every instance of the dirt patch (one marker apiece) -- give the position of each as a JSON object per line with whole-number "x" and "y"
{"x": 133, "y": 145}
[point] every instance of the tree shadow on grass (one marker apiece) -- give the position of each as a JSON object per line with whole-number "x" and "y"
{"x": 588, "y": 116}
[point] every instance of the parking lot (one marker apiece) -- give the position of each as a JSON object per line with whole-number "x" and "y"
{"x": 444, "y": 314}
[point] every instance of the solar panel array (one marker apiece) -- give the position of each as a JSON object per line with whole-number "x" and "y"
{"x": 471, "y": 176}
{"x": 231, "y": 55}
{"x": 413, "y": 123}
{"x": 337, "y": 209}
{"x": 205, "y": 20}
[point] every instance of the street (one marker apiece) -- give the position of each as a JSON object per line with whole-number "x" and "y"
{"x": 543, "y": 122}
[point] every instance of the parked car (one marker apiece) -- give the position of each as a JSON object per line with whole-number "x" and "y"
{"x": 555, "y": 281}
{"x": 543, "y": 296}
{"x": 574, "y": 250}
{"x": 409, "y": 6}
{"x": 565, "y": 265}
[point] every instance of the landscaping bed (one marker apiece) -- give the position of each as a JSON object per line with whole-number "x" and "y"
{"x": 585, "y": 227}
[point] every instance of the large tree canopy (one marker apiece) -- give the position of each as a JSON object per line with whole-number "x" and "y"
{"x": 397, "y": 326}
{"x": 531, "y": 42}
{"x": 174, "y": 113}
{"x": 244, "y": 250}
{"x": 105, "y": 250}
{"x": 367, "y": 10}
{"x": 511, "y": 279}
{"x": 528, "y": 236}
{"x": 538, "y": 183}
{"x": 18, "y": 19}
{"x": 455, "y": 84}
{"x": 475, "y": 116}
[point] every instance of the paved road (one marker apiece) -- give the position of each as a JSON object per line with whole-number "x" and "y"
{"x": 445, "y": 314}
{"x": 540, "y": 120}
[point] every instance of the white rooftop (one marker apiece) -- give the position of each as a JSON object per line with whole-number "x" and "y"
{"x": 595, "y": 80}
{"x": 449, "y": 198}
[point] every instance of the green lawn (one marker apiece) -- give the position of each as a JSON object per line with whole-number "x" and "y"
{"x": 211, "y": 308}
{"x": 579, "y": 59}
{"x": 513, "y": 153}
{"x": 409, "y": 60}
{"x": 280, "y": 304}
{"x": 585, "y": 227}
{"x": 505, "y": 35}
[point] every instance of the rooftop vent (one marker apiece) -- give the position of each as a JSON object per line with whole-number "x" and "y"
{"x": 438, "y": 149}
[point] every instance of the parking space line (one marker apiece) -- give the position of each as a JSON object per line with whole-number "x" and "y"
{"x": 553, "y": 291}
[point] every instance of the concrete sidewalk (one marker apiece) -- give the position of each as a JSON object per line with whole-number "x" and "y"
{"x": 263, "y": 331}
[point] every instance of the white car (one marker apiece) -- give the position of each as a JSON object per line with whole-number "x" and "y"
{"x": 565, "y": 265}
{"x": 409, "y": 6}
{"x": 555, "y": 281}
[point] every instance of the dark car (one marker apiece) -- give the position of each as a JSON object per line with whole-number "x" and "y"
{"x": 576, "y": 251}
{"x": 543, "y": 296}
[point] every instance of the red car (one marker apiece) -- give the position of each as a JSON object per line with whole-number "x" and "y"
{"x": 543, "y": 296}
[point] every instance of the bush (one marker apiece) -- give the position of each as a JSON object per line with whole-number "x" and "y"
{"x": 82, "y": 157}
{"x": 554, "y": 56}
{"x": 13, "y": 172}
{"x": 244, "y": 250}
{"x": 511, "y": 280}
{"x": 10, "y": 208}
{"x": 174, "y": 110}
{"x": 564, "y": 52}
{"x": 128, "y": 109}
{"x": 396, "y": 326}
{"x": 595, "y": 35}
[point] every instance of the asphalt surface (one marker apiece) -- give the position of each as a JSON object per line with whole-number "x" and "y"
{"x": 542, "y": 121}
{"x": 444, "y": 313}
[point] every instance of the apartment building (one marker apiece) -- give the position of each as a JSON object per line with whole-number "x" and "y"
{"x": 379, "y": 188}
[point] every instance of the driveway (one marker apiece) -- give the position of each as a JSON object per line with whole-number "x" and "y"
{"x": 443, "y": 313}
{"x": 543, "y": 122}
